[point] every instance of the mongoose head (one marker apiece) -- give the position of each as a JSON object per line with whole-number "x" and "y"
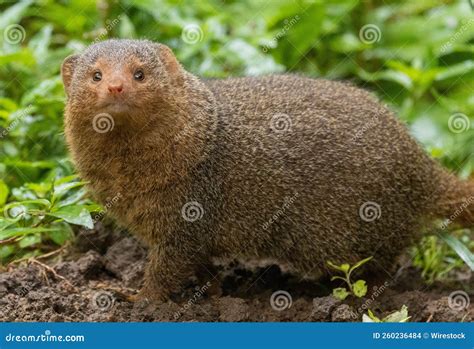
{"x": 135, "y": 82}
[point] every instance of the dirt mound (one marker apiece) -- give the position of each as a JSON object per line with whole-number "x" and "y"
{"x": 92, "y": 280}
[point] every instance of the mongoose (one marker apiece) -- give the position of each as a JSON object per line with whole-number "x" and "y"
{"x": 284, "y": 167}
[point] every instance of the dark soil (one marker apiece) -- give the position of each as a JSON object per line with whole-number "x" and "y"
{"x": 92, "y": 280}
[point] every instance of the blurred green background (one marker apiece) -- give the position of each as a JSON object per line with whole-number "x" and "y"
{"x": 417, "y": 56}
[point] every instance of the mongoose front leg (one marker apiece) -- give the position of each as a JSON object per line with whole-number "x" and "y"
{"x": 169, "y": 265}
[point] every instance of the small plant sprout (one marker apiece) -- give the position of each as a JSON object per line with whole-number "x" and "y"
{"x": 358, "y": 288}
{"x": 397, "y": 316}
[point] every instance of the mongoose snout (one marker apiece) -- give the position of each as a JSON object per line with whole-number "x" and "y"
{"x": 284, "y": 167}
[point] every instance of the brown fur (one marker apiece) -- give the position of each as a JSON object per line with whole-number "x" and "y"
{"x": 293, "y": 195}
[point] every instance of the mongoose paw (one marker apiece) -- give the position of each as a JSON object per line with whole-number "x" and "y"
{"x": 150, "y": 296}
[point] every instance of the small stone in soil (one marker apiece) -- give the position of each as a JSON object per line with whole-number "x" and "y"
{"x": 343, "y": 313}
{"x": 233, "y": 309}
{"x": 322, "y": 308}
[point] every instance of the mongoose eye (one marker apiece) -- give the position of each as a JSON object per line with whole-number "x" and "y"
{"x": 138, "y": 75}
{"x": 97, "y": 76}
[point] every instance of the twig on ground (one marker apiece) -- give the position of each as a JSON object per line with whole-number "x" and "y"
{"x": 9, "y": 240}
{"x": 119, "y": 291}
{"x": 52, "y": 271}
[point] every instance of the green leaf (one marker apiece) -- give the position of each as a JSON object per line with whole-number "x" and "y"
{"x": 64, "y": 180}
{"x": 30, "y": 240}
{"x": 11, "y": 232}
{"x": 62, "y": 189}
{"x": 94, "y": 208}
{"x": 6, "y": 251}
{"x": 454, "y": 71}
{"x": 358, "y": 264}
{"x": 30, "y": 164}
{"x": 334, "y": 266}
{"x": 345, "y": 267}
{"x": 340, "y": 293}
{"x": 5, "y": 223}
{"x": 388, "y": 75}
{"x": 370, "y": 318}
{"x": 39, "y": 44}
{"x": 4, "y": 191}
{"x": 13, "y": 214}
{"x": 24, "y": 57}
{"x": 126, "y": 28}
{"x": 462, "y": 251}
{"x": 366, "y": 318}
{"x": 12, "y": 15}
{"x": 60, "y": 236}
{"x": 398, "y": 316}
{"x": 73, "y": 199}
{"x": 40, "y": 189}
{"x": 41, "y": 202}
{"x": 78, "y": 215}
{"x": 359, "y": 288}
{"x": 8, "y": 105}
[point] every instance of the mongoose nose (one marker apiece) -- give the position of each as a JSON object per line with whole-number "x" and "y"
{"x": 115, "y": 89}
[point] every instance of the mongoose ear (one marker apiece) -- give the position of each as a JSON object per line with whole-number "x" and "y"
{"x": 172, "y": 65}
{"x": 67, "y": 69}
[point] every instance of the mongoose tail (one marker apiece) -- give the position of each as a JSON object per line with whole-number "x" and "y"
{"x": 456, "y": 201}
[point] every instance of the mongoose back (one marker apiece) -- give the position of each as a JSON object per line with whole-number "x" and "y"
{"x": 284, "y": 167}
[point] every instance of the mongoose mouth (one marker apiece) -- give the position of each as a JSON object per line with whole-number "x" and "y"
{"x": 115, "y": 107}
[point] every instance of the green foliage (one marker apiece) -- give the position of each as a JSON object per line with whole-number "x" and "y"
{"x": 41, "y": 214}
{"x": 397, "y": 316}
{"x": 358, "y": 288}
{"x": 461, "y": 250}
{"x": 437, "y": 259}
{"x": 421, "y": 64}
